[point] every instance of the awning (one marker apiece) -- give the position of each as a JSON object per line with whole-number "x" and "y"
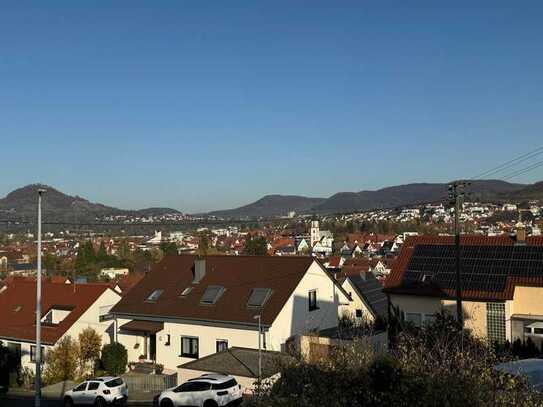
{"x": 150, "y": 327}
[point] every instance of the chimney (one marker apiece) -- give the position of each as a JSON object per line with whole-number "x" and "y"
{"x": 521, "y": 233}
{"x": 199, "y": 270}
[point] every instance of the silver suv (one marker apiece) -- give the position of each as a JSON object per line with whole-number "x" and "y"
{"x": 99, "y": 392}
{"x": 209, "y": 390}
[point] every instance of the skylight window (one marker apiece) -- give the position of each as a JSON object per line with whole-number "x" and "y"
{"x": 186, "y": 291}
{"x": 154, "y": 295}
{"x": 258, "y": 297}
{"x": 212, "y": 294}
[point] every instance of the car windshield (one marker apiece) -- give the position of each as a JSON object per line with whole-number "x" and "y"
{"x": 115, "y": 382}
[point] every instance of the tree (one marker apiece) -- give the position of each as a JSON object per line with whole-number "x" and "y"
{"x": 102, "y": 253}
{"x": 256, "y": 245}
{"x": 90, "y": 343}
{"x": 61, "y": 362}
{"x": 114, "y": 358}
{"x": 168, "y": 248}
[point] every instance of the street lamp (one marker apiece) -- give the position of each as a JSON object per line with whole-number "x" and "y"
{"x": 37, "y": 383}
{"x": 259, "y": 348}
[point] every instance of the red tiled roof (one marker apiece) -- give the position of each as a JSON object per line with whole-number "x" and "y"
{"x": 237, "y": 274}
{"x": 18, "y": 304}
{"x": 393, "y": 282}
{"x": 128, "y": 281}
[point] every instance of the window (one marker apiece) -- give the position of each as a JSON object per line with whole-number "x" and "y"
{"x": 115, "y": 382}
{"x": 359, "y": 313}
{"x": 189, "y": 347}
{"x": 429, "y": 319}
{"x": 33, "y": 353}
{"x": 221, "y": 344}
{"x": 527, "y": 330}
{"x": 538, "y": 331}
{"x": 495, "y": 321}
{"x": 193, "y": 386}
{"x": 93, "y": 385}
{"x": 212, "y": 294}
{"x": 258, "y": 297}
{"x": 154, "y": 295}
{"x": 226, "y": 385}
{"x": 81, "y": 387}
{"x": 313, "y": 300}
{"x": 414, "y": 318}
{"x": 186, "y": 292}
{"x": 167, "y": 343}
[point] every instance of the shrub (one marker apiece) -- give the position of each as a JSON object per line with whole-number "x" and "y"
{"x": 114, "y": 358}
{"x": 61, "y": 362}
{"x": 90, "y": 343}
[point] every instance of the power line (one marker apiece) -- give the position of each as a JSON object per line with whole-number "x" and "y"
{"x": 509, "y": 164}
{"x": 523, "y": 170}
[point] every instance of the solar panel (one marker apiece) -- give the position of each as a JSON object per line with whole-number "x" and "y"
{"x": 212, "y": 294}
{"x": 258, "y": 297}
{"x": 482, "y": 267}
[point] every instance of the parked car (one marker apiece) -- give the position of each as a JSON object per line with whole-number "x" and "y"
{"x": 99, "y": 392}
{"x": 531, "y": 368}
{"x": 209, "y": 390}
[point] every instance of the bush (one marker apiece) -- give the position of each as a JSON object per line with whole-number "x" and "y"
{"x": 114, "y": 358}
{"x": 437, "y": 365}
{"x": 61, "y": 362}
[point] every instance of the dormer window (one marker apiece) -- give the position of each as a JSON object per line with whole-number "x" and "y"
{"x": 154, "y": 295}
{"x": 212, "y": 294}
{"x": 258, "y": 297}
{"x": 56, "y": 314}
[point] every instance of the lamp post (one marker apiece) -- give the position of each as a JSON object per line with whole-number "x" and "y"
{"x": 37, "y": 382}
{"x": 259, "y": 348}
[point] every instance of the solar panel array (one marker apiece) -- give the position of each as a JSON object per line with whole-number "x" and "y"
{"x": 483, "y": 268}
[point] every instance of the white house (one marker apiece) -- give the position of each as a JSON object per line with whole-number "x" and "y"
{"x": 67, "y": 309}
{"x": 189, "y": 307}
{"x": 113, "y": 272}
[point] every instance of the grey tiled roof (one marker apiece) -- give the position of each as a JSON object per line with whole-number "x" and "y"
{"x": 239, "y": 362}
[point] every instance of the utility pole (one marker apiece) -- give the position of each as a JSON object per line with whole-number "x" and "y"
{"x": 259, "y": 348}
{"x": 456, "y": 198}
{"x": 37, "y": 382}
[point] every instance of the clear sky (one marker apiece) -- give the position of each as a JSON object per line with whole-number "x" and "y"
{"x": 202, "y": 105}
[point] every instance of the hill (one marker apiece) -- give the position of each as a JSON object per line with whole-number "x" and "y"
{"x": 21, "y": 204}
{"x": 390, "y": 197}
{"x": 271, "y": 205}
{"x": 530, "y": 192}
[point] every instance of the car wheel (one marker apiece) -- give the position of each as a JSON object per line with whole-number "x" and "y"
{"x": 99, "y": 402}
{"x": 166, "y": 403}
{"x": 210, "y": 403}
{"x": 68, "y": 402}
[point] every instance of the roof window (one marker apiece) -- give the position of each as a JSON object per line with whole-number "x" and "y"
{"x": 258, "y": 297}
{"x": 212, "y": 294}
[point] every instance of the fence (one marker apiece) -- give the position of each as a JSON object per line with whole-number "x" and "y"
{"x": 149, "y": 382}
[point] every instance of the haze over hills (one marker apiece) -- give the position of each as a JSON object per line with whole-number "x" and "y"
{"x": 21, "y": 204}
{"x": 58, "y": 206}
{"x": 390, "y": 197}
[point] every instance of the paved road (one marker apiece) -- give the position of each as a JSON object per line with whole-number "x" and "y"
{"x": 29, "y": 402}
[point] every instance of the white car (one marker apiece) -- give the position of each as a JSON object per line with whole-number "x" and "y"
{"x": 209, "y": 390}
{"x": 98, "y": 392}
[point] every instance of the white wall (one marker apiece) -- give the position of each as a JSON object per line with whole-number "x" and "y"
{"x": 356, "y": 303}
{"x": 295, "y": 317}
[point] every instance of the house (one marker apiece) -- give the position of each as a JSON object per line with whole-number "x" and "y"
{"x": 113, "y": 272}
{"x": 67, "y": 309}
{"x": 501, "y": 281}
{"x": 189, "y": 307}
{"x": 369, "y": 302}
{"x": 322, "y": 241}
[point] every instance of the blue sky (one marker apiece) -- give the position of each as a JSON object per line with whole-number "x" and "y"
{"x": 202, "y": 105}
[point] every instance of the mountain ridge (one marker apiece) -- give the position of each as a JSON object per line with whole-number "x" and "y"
{"x": 21, "y": 204}
{"x": 383, "y": 198}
